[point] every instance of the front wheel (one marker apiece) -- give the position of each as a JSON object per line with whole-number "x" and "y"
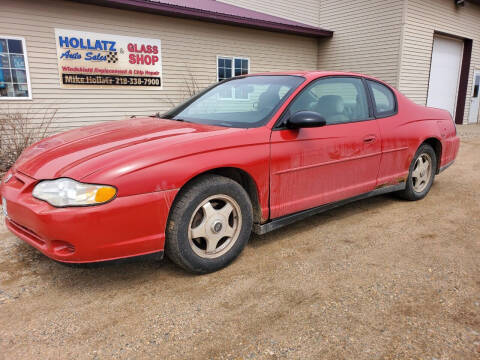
{"x": 209, "y": 224}
{"x": 421, "y": 174}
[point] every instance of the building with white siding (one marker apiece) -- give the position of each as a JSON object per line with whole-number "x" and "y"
{"x": 100, "y": 60}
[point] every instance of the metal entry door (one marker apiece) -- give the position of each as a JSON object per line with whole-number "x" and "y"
{"x": 475, "y": 100}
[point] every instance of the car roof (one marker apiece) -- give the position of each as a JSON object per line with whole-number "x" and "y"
{"x": 314, "y": 74}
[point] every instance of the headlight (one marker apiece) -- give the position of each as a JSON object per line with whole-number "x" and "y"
{"x": 67, "y": 192}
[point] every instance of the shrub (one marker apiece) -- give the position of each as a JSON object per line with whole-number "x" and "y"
{"x": 20, "y": 129}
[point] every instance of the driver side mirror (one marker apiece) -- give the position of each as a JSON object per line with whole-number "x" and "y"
{"x": 305, "y": 119}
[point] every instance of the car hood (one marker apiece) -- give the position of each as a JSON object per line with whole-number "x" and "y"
{"x": 81, "y": 152}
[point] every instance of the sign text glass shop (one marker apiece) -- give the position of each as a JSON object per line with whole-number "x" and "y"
{"x": 94, "y": 60}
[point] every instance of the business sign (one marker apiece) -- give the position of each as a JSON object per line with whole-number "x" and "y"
{"x": 91, "y": 60}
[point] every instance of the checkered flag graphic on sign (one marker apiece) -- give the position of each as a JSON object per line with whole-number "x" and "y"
{"x": 112, "y": 57}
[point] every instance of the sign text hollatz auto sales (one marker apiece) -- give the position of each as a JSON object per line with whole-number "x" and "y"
{"x": 94, "y": 60}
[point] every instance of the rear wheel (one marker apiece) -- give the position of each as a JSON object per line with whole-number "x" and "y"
{"x": 421, "y": 174}
{"x": 209, "y": 224}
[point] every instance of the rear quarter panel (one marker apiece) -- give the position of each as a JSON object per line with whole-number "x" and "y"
{"x": 404, "y": 132}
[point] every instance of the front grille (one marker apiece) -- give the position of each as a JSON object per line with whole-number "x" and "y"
{"x": 27, "y": 232}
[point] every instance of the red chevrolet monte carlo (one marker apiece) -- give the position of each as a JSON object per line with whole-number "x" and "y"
{"x": 251, "y": 153}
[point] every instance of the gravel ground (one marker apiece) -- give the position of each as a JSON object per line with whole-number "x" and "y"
{"x": 378, "y": 279}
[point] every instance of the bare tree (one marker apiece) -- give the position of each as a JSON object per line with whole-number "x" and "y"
{"x": 19, "y": 130}
{"x": 192, "y": 86}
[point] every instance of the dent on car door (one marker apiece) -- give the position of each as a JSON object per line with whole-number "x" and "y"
{"x": 314, "y": 166}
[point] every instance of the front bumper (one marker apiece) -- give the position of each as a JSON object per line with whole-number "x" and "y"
{"x": 127, "y": 226}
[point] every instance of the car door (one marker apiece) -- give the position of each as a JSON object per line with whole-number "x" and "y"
{"x": 397, "y": 133}
{"x": 315, "y": 166}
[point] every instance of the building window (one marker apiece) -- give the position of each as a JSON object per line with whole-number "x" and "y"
{"x": 14, "y": 76}
{"x": 228, "y": 67}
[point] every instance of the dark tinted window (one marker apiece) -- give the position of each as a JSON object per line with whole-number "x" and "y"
{"x": 383, "y": 98}
{"x": 15, "y": 46}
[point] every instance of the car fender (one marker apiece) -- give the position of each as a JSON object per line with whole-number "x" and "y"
{"x": 172, "y": 174}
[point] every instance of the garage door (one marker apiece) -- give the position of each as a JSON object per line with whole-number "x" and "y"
{"x": 445, "y": 73}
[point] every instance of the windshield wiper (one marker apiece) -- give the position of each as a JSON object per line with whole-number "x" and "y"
{"x": 159, "y": 116}
{"x": 156, "y": 115}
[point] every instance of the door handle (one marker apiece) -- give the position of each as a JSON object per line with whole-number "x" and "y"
{"x": 369, "y": 139}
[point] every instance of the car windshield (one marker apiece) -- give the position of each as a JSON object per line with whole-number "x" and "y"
{"x": 240, "y": 102}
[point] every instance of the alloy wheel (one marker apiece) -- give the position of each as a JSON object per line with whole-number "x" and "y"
{"x": 422, "y": 172}
{"x": 215, "y": 226}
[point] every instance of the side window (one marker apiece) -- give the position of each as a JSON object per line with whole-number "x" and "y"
{"x": 337, "y": 99}
{"x": 383, "y": 98}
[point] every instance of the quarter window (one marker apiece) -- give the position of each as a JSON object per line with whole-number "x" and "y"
{"x": 14, "y": 76}
{"x": 228, "y": 67}
{"x": 383, "y": 99}
{"x": 337, "y": 99}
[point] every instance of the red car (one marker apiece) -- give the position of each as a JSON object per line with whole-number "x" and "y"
{"x": 250, "y": 153}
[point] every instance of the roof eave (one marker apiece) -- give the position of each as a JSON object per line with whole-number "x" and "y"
{"x": 209, "y": 16}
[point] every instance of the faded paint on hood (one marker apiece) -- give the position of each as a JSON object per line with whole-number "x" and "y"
{"x": 81, "y": 152}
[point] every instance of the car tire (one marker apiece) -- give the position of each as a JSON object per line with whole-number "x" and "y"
{"x": 209, "y": 224}
{"x": 421, "y": 174}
